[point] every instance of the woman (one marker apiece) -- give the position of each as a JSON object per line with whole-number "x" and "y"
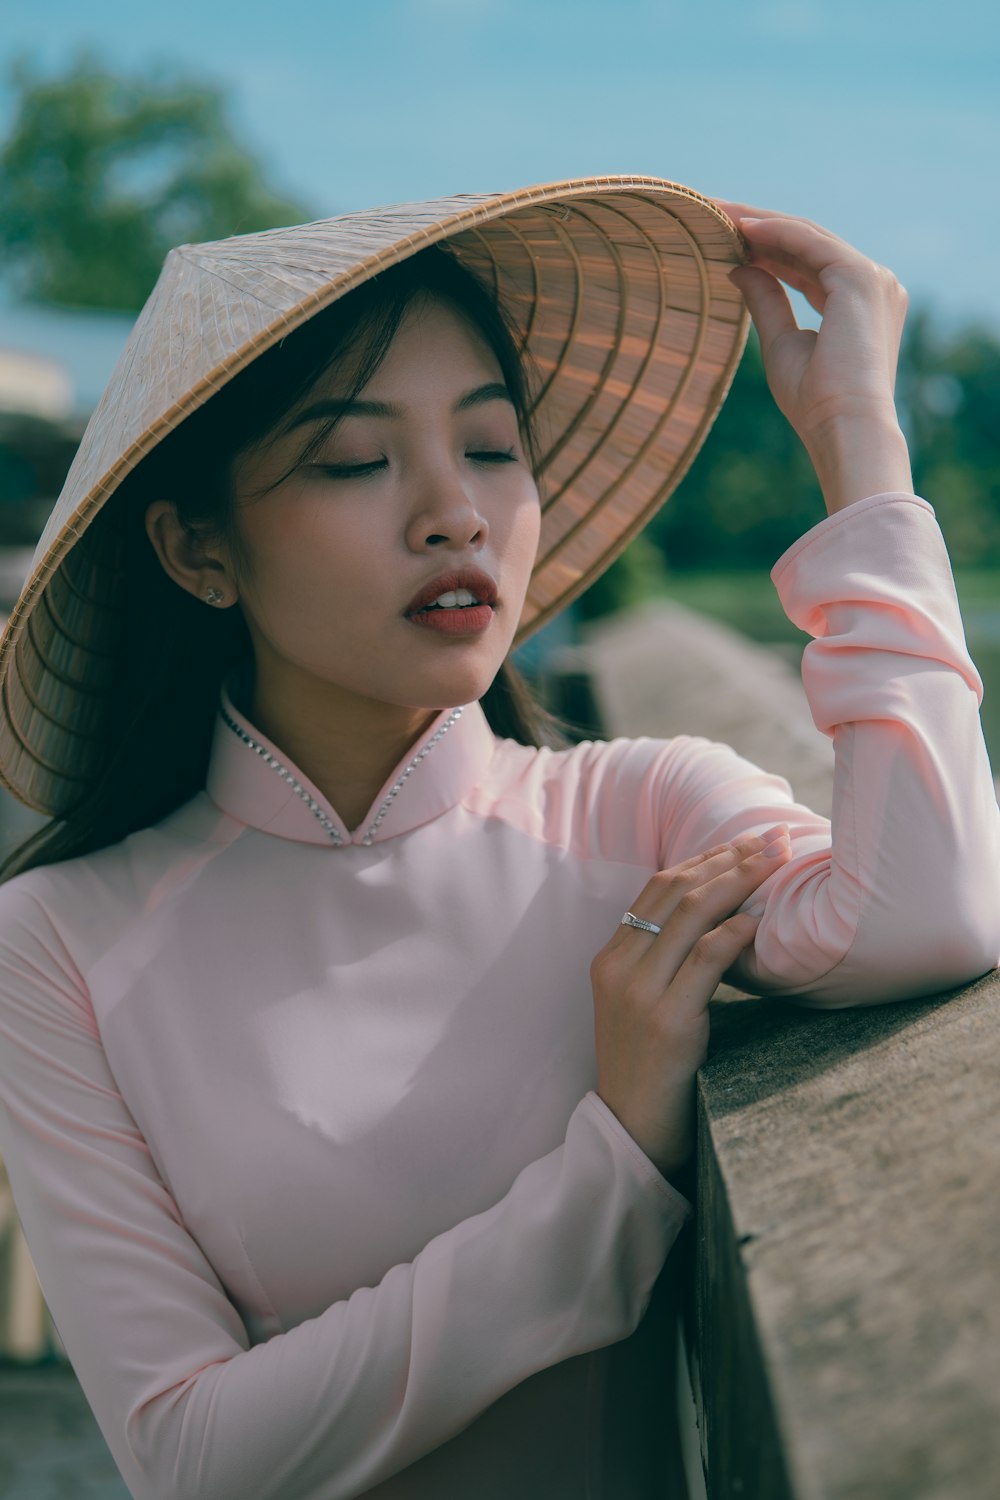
{"x": 344, "y": 1110}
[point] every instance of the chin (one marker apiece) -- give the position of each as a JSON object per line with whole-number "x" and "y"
{"x": 455, "y": 687}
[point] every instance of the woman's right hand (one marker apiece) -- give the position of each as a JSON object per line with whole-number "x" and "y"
{"x": 651, "y": 990}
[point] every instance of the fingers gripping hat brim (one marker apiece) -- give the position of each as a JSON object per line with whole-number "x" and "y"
{"x": 619, "y": 289}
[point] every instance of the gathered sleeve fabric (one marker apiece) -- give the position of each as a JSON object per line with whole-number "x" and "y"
{"x": 565, "y": 1262}
{"x": 898, "y": 895}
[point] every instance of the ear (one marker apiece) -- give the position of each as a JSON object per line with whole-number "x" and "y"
{"x": 193, "y": 566}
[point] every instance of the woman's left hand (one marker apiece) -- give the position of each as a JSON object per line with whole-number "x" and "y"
{"x": 835, "y": 384}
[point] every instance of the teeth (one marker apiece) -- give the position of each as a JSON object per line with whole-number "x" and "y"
{"x": 454, "y": 599}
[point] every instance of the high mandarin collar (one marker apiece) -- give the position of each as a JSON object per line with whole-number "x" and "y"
{"x": 256, "y": 782}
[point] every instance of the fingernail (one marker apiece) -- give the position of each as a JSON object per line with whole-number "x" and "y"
{"x": 777, "y": 848}
{"x": 746, "y": 220}
{"x": 756, "y": 909}
{"x": 779, "y": 831}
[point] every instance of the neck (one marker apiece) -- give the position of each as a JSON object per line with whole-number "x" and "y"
{"x": 346, "y": 745}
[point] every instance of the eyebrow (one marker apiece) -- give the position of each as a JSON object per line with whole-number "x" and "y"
{"x": 478, "y": 396}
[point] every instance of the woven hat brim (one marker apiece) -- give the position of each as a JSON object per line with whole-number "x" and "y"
{"x": 620, "y": 290}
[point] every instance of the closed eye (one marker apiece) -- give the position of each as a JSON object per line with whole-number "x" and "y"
{"x": 358, "y": 471}
{"x": 350, "y": 471}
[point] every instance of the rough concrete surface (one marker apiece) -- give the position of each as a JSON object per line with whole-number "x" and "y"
{"x": 860, "y": 1153}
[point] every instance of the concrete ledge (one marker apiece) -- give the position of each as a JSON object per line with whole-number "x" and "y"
{"x": 847, "y": 1317}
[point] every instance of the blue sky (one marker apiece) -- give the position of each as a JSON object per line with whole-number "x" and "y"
{"x": 877, "y": 118}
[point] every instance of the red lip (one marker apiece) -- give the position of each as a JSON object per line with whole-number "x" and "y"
{"x": 480, "y": 585}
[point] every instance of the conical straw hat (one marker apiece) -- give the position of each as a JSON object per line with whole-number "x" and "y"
{"x": 619, "y": 288}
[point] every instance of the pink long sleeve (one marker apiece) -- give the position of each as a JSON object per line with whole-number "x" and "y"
{"x": 562, "y": 1264}
{"x": 901, "y": 896}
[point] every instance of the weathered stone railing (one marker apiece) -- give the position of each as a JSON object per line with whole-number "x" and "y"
{"x": 845, "y": 1321}
{"x": 842, "y": 1311}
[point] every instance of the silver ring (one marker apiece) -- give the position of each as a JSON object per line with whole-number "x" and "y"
{"x": 631, "y": 920}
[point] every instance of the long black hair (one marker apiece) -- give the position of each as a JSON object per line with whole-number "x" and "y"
{"x": 174, "y": 651}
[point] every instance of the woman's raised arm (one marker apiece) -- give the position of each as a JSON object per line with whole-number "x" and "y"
{"x": 906, "y": 902}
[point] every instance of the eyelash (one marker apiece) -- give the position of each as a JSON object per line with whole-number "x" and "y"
{"x": 361, "y": 471}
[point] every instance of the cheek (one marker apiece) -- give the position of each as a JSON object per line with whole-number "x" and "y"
{"x": 531, "y": 530}
{"x": 311, "y": 541}
{"x": 313, "y": 574}
{"x": 536, "y": 521}
{"x": 524, "y": 523}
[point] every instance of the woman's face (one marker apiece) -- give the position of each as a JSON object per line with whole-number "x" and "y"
{"x": 423, "y": 478}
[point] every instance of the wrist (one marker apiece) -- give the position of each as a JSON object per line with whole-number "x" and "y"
{"x": 858, "y": 456}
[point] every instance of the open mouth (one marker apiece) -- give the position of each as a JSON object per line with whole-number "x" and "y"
{"x": 460, "y": 602}
{"x": 454, "y": 599}
{"x": 456, "y": 612}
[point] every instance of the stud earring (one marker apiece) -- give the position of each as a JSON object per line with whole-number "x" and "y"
{"x": 213, "y": 596}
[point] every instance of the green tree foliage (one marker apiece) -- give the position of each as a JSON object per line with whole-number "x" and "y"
{"x": 752, "y": 491}
{"x": 637, "y": 573}
{"x": 101, "y": 174}
{"x": 949, "y": 393}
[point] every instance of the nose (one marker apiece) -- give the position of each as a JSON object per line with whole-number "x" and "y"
{"x": 444, "y": 513}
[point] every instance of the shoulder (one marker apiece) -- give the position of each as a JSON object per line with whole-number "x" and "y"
{"x": 605, "y": 798}
{"x": 597, "y": 769}
{"x": 75, "y": 908}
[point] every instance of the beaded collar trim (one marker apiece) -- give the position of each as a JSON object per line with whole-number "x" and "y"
{"x": 313, "y": 805}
